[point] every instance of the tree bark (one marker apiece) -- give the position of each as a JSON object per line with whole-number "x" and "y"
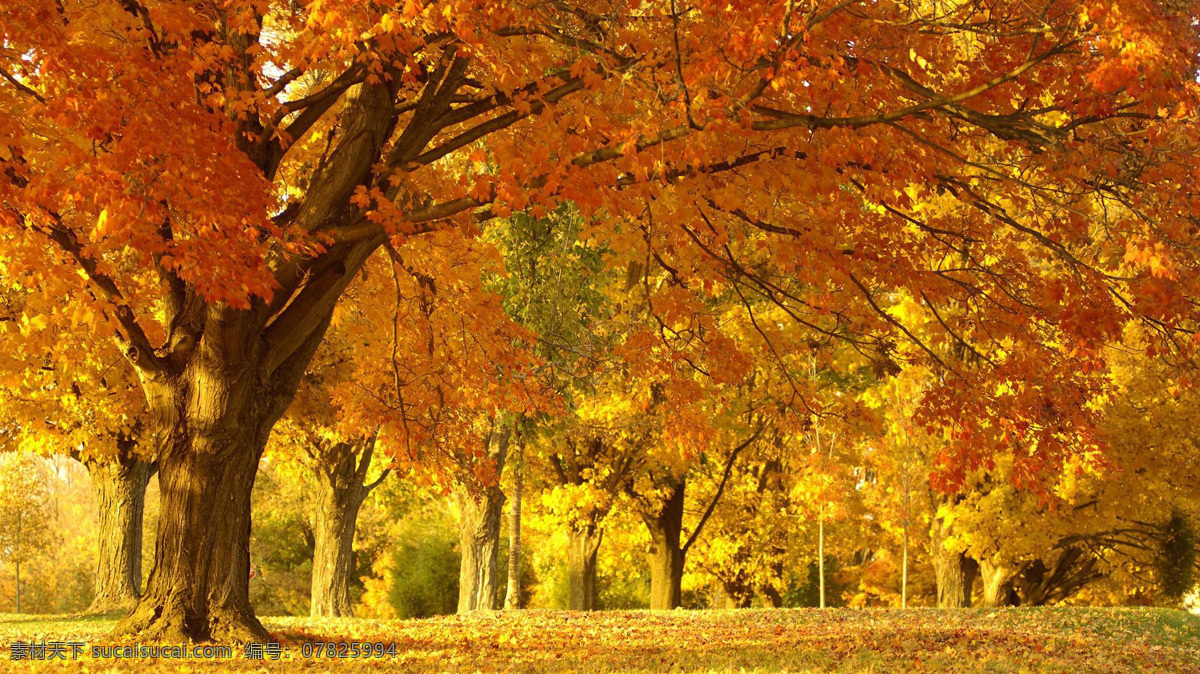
{"x": 209, "y": 422}
{"x": 665, "y": 554}
{"x": 997, "y": 585}
{"x": 341, "y": 490}
{"x": 821, "y": 554}
{"x": 582, "y": 546}
{"x": 955, "y": 573}
{"x": 512, "y": 593}
{"x": 480, "y": 528}
{"x": 120, "y": 486}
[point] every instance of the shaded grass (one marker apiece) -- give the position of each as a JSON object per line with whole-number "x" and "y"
{"x": 801, "y": 640}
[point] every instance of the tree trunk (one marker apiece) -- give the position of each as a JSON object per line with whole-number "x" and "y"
{"x": 666, "y": 555}
{"x": 480, "y": 528}
{"x": 770, "y": 596}
{"x": 582, "y": 546}
{"x": 17, "y": 567}
{"x": 341, "y": 490}
{"x": 512, "y": 594}
{"x": 480, "y": 544}
{"x": 955, "y": 573}
{"x": 821, "y": 554}
{"x": 997, "y": 585}
{"x": 209, "y": 422}
{"x": 736, "y": 594}
{"x": 120, "y": 487}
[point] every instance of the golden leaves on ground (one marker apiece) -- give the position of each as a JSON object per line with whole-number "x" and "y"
{"x": 800, "y": 640}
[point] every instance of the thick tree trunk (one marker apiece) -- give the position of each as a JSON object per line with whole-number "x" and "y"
{"x": 199, "y": 588}
{"x": 120, "y": 487}
{"x": 512, "y": 593}
{"x": 582, "y": 546}
{"x": 480, "y": 528}
{"x": 955, "y": 574}
{"x": 955, "y": 571}
{"x": 341, "y": 490}
{"x": 997, "y": 585}
{"x": 665, "y": 554}
{"x": 209, "y": 421}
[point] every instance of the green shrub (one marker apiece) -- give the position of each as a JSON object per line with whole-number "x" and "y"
{"x": 1176, "y": 567}
{"x": 424, "y": 574}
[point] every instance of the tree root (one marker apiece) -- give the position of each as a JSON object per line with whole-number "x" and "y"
{"x": 158, "y": 620}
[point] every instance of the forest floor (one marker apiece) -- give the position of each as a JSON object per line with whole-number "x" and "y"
{"x": 795, "y": 640}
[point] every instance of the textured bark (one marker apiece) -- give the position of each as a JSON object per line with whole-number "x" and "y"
{"x": 512, "y": 593}
{"x": 341, "y": 490}
{"x": 666, "y": 555}
{"x": 955, "y": 571}
{"x": 209, "y": 423}
{"x": 480, "y": 528}
{"x": 997, "y": 584}
{"x": 480, "y": 543}
{"x": 199, "y": 588}
{"x": 955, "y": 574}
{"x": 582, "y": 546}
{"x": 120, "y": 486}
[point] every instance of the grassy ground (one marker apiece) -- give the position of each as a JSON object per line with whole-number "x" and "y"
{"x": 803, "y": 640}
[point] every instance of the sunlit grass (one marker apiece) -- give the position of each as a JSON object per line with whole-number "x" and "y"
{"x": 805, "y": 640}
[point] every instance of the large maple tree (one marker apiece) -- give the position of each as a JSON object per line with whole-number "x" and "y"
{"x": 207, "y": 178}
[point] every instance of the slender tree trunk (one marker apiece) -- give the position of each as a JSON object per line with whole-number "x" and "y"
{"x": 582, "y": 546}
{"x": 120, "y": 487}
{"x": 341, "y": 490}
{"x": 997, "y": 584}
{"x": 904, "y": 572}
{"x": 480, "y": 528}
{"x": 821, "y": 553}
{"x": 512, "y": 594}
{"x": 17, "y": 571}
{"x": 666, "y": 556}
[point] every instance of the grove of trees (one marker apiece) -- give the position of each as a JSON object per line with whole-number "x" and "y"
{"x": 805, "y": 302}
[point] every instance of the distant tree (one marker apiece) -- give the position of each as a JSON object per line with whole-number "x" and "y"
{"x": 25, "y": 523}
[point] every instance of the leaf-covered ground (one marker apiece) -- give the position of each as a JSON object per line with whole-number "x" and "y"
{"x": 804, "y": 640}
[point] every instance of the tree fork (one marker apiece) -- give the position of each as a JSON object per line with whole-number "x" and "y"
{"x": 210, "y": 421}
{"x": 341, "y": 491}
